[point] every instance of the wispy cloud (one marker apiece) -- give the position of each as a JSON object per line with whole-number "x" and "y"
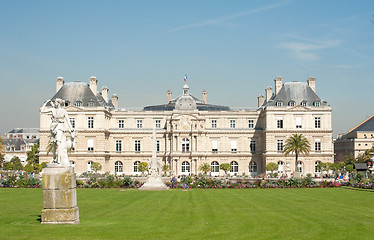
{"x": 221, "y": 20}
{"x": 304, "y": 49}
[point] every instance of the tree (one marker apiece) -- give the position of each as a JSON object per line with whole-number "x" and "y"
{"x": 143, "y": 167}
{"x": 14, "y": 164}
{"x": 225, "y": 167}
{"x": 96, "y": 166}
{"x": 297, "y": 144}
{"x": 33, "y": 159}
{"x": 205, "y": 168}
{"x": 2, "y": 152}
{"x": 165, "y": 168}
{"x": 271, "y": 167}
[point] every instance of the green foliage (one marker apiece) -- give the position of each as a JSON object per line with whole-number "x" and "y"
{"x": 143, "y": 167}
{"x": 127, "y": 181}
{"x": 271, "y": 167}
{"x": 297, "y": 144}
{"x": 165, "y": 168}
{"x": 349, "y": 167}
{"x": 96, "y": 166}
{"x": 14, "y": 164}
{"x": 2, "y": 153}
{"x": 205, "y": 168}
{"x": 225, "y": 167}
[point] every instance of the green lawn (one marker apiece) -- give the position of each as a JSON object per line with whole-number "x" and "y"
{"x": 196, "y": 214}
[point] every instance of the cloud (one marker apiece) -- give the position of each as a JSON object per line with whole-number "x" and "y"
{"x": 308, "y": 49}
{"x": 221, "y": 20}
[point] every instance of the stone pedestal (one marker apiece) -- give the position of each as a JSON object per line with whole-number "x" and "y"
{"x": 154, "y": 183}
{"x": 59, "y": 195}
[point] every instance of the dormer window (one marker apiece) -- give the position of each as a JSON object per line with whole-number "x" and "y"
{"x": 291, "y": 103}
{"x": 279, "y": 104}
{"x": 90, "y": 104}
{"x": 78, "y": 103}
{"x": 316, "y": 104}
{"x": 67, "y": 103}
{"x": 303, "y": 103}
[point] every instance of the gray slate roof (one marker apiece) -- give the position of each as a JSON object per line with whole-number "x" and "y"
{"x": 80, "y": 91}
{"x": 17, "y": 143}
{"x": 24, "y": 130}
{"x": 297, "y": 92}
{"x": 365, "y": 126}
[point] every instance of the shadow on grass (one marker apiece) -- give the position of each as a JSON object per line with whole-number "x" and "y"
{"x": 39, "y": 218}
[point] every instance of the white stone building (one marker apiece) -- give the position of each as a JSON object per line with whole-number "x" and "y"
{"x": 191, "y": 132}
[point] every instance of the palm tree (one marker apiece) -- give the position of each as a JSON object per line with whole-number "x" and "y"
{"x": 297, "y": 144}
{"x": 205, "y": 168}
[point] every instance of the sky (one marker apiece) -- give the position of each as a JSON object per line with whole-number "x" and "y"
{"x": 231, "y": 49}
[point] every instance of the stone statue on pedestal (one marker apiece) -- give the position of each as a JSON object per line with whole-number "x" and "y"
{"x": 154, "y": 180}
{"x": 58, "y": 178}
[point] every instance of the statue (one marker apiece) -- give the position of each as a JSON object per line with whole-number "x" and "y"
{"x": 58, "y": 143}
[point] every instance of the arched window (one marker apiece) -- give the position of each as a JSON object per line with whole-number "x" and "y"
{"x": 300, "y": 166}
{"x": 89, "y": 166}
{"x": 118, "y": 167}
{"x": 185, "y": 145}
{"x": 136, "y": 166}
{"x": 316, "y": 167}
{"x": 215, "y": 166}
{"x": 280, "y": 166}
{"x": 78, "y": 103}
{"x": 252, "y": 166}
{"x": 185, "y": 167}
{"x": 234, "y": 167}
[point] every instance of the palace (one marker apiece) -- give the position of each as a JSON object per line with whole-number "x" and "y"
{"x": 190, "y": 131}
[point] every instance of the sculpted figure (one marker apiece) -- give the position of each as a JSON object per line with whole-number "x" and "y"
{"x": 60, "y": 146}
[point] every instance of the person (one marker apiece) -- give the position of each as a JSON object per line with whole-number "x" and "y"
{"x": 57, "y": 131}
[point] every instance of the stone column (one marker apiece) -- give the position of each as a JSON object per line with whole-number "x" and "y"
{"x": 59, "y": 195}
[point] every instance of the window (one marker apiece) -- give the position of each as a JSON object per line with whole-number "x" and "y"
{"x": 137, "y": 145}
{"x": 279, "y": 123}
{"x": 121, "y": 123}
{"x": 299, "y": 122}
{"x": 291, "y": 104}
{"x": 316, "y": 104}
{"x": 158, "y": 123}
{"x": 185, "y": 145}
{"x": 78, "y": 103}
{"x": 90, "y": 144}
{"x": 214, "y": 146}
{"x": 317, "y": 122}
{"x": 279, "y": 104}
{"x": 232, "y": 123}
{"x": 89, "y": 169}
{"x": 214, "y": 123}
{"x": 136, "y": 166}
{"x": 300, "y": 166}
{"x": 214, "y": 166}
{"x": 252, "y": 166}
{"x": 185, "y": 167}
{"x": 365, "y": 136}
{"x": 280, "y": 145}
{"x": 139, "y": 123}
{"x": 252, "y": 146}
{"x": 280, "y": 166}
{"x": 251, "y": 123}
{"x": 118, "y": 167}
{"x": 157, "y": 145}
{"x": 303, "y": 103}
{"x": 234, "y": 167}
{"x": 316, "y": 167}
{"x": 90, "y": 122}
{"x": 234, "y": 146}
{"x": 72, "y": 122}
{"x": 72, "y": 163}
{"x": 90, "y": 104}
{"x": 118, "y": 145}
{"x": 317, "y": 145}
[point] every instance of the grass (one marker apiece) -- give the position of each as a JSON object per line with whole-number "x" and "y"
{"x": 196, "y": 214}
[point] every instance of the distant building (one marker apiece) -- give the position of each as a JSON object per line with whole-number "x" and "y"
{"x": 18, "y": 142}
{"x": 191, "y": 131}
{"x": 356, "y": 141}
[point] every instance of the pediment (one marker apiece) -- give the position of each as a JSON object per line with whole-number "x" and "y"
{"x": 73, "y": 108}
{"x": 299, "y": 108}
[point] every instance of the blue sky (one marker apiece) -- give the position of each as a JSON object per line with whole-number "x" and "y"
{"x": 232, "y": 49}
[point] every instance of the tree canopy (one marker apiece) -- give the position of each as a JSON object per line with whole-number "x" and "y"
{"x": 297, "y": 144}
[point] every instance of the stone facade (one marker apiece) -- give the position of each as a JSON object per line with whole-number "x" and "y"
{"x": 191, "y": 132}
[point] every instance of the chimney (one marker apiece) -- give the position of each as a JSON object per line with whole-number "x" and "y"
{"x": 205, "y": 97}
{"x": 269, "y": 92}
{"x": 168, "y": 96}
{"x": 312, "y": 83}
{"x": 278, "y": 84}
{"x": 260, "y": 100}
{"x": 104, "y": 93}
{"x": 59, "y": 83}
{"x": 115, "y": 100}
{"x": 93, "y": 84}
